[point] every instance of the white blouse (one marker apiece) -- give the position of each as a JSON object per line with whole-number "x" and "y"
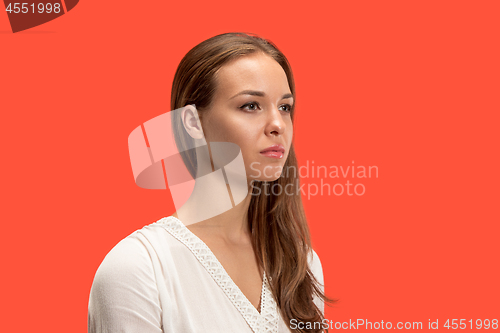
{"x": 163, "y": 278}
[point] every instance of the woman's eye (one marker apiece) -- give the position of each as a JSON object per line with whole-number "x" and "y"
{"x": 250, "y": 106}
{"x": 286, "y": 107}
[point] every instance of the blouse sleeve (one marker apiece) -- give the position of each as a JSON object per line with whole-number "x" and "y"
{"x": 317, "y": 271}
{"x": 124, "y": 296}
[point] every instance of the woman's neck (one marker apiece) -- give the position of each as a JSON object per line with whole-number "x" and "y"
{"x": 209, "y": 207}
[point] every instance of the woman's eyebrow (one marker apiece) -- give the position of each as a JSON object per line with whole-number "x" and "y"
{"x": 250, "y": 92}
{"x": 258, "y": 93}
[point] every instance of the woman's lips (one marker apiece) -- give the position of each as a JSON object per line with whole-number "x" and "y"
{"x": 274, "y": 151}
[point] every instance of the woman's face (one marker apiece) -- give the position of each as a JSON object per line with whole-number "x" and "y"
{"x": 251, "y": 108}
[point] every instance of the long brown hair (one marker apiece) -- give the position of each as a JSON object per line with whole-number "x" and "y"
{"x": 280, "y": 234}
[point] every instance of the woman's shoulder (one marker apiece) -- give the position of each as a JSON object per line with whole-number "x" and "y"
{"x": 132, "y": 262}
{"x": 317, "y": 271}
{"x": 133, "y": 254}
{"x": 124, "y": 291}
{"x": 315, "y": 265}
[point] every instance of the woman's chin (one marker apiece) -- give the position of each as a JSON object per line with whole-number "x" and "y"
{"x": 263, "y": 178}
{"x": 266, "y": 174}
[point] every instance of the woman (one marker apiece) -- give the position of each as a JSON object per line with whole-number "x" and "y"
{"x": 246, "y": 268}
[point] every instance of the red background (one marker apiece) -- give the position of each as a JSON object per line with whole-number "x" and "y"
{"x": 410, "y": 87}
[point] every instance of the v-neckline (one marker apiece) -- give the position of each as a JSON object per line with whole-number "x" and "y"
{"x": 264, "y": 321}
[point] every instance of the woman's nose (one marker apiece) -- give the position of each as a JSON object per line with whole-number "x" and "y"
{"x": 275, "y": 122}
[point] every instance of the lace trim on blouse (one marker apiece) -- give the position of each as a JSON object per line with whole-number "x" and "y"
{"x": 265, "y": 321}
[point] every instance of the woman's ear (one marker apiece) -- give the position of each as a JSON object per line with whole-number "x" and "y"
{"x": 191, "y": 122}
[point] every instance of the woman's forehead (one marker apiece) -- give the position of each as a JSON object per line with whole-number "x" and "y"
{"x": 257, "y": 72}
